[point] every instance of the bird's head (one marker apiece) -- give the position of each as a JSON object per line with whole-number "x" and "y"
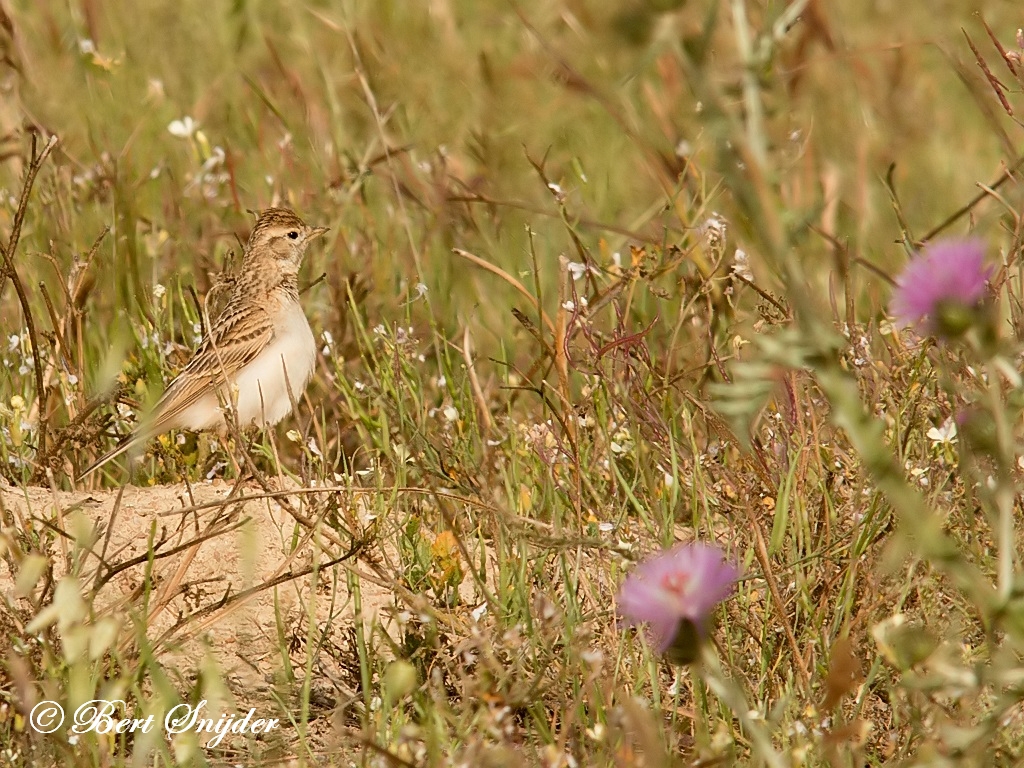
{"x": 282, "y": 237}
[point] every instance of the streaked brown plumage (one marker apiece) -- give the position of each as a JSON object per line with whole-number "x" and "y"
{"x": 261, "y": 333}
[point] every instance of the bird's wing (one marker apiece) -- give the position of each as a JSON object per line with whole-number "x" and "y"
{"x": 238, "y": 336}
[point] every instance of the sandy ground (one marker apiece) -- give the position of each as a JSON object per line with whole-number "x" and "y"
{"x": 207, "y": 548}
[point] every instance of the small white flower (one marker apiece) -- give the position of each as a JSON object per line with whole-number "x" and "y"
{"x": 676, "y": 688}
{"x": 158, "y": 291}
{"x": 741, "y": 265}
{"x": 184, "y": 128}
{"x": 328, "y": 340}
{"x": 72, "y": 380}
{"x": 441, "y": 382}
{"x": 215, "y": 160}
{"x": 314, "y": 448}
{"x": 358, "y": 386}
{"x": 569, "y": 306}
{"x": 13, "y": 341}
{"x": 86, "y": 46}
{"x": 293, "y": 435}
{"x": 577, "y": 269}
{"x": 451, "y": 413}
{"x": 479, "y": 612}
{"x": 714, "y": 229}
{"x": 946, "y": 434}
{"x": 421, "y": 290}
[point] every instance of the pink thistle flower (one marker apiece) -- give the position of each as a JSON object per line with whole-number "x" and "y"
{"x": 945, "y": 279}
{"x": 674, "y": 593}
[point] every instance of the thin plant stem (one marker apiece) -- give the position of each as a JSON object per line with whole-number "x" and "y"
{"x": 711, "y": 673}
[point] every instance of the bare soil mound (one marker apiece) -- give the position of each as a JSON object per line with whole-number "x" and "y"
{"x": 208, "y": 573}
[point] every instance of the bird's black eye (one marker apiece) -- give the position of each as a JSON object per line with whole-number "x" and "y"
{"x": 293, "y": 235}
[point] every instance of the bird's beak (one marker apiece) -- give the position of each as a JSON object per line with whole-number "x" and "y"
{"x": 315, "y": 232}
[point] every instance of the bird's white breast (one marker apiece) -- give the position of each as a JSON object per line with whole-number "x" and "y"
{"x": 262, "y": 391}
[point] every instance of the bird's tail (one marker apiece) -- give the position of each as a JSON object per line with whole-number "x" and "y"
{"x": 126, "y": 445}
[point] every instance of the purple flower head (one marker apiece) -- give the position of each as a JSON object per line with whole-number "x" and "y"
{"x": 675, "y": 592}
{"x": 946, "y": 278}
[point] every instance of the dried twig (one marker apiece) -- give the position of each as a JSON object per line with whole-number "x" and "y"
{"x": 1004, "y": 176}
{"x": 11, "y": 272}
{"x": 73, "y": 429}
{"x": 997, "y": 86}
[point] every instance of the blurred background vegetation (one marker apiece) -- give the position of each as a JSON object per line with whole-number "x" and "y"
{"x": 560, "y": 223}
{"x": 411, "y": 129}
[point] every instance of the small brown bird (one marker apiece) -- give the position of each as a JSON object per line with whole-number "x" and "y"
{"x": 259, "y": 353}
